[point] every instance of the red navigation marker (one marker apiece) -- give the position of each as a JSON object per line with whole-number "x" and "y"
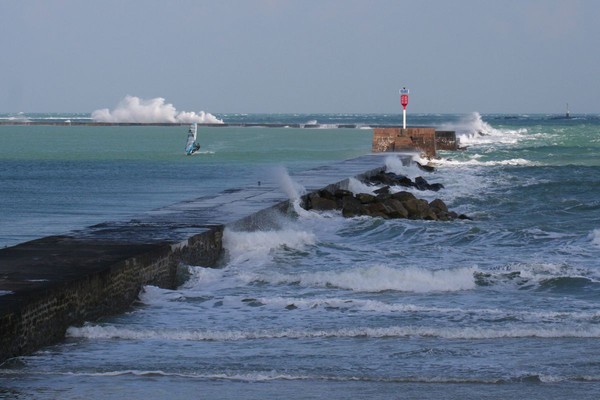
{"x": 404, "y": 102}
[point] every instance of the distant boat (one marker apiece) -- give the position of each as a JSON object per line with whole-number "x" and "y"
{"x": 568, "y": 114}
{"x": 192, "y": 146}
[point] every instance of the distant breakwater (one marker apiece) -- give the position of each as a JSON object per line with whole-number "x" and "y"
{"x": 210, "y": 125}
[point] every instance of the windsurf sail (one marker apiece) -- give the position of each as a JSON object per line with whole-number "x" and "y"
{"x": 191, "y": 146}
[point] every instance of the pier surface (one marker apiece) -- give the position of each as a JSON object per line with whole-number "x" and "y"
{"x": 49, "y": 284}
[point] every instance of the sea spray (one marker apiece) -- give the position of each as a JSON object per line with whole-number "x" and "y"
{"x": 136, "y": 110}
{"x": 291, "y": 188}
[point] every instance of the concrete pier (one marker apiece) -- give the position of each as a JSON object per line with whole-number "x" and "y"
{"x": 49, "y": 284}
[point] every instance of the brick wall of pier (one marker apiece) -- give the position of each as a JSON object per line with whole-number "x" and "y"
{"x": 40, "y": 314}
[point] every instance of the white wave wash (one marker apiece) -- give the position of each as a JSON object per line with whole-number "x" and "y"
{"x": 104, "y": 332}
{"x": 133, "y": 109}
{"x": 378, "y": 278}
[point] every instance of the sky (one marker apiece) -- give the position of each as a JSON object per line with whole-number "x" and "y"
{"x": 301, "y": 56}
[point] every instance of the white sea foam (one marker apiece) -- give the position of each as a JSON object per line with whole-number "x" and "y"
{"x": 111, "y": 332}
{"x": 134, "y": 109}
{"x": 476, "y": 162}
{"x": 378, "y": 278}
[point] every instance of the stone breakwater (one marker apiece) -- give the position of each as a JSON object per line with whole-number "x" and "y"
{"x": 384, "y": 203}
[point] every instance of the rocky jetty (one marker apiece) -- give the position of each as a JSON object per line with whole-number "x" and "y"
{"x": 384, "y": 203}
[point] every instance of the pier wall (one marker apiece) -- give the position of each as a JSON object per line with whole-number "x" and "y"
{"x": 85, "y": 280}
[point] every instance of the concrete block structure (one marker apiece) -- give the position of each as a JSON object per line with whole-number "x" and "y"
{"x": 399, "y": 139}
{"x": 423, "y": 139}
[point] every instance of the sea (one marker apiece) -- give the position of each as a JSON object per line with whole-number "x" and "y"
{"x": 504, "y": 305}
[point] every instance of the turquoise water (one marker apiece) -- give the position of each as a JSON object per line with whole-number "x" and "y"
{"x": 59, "y": 178}
{"x": 502, "y": 306}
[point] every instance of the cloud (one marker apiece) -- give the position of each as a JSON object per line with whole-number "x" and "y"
{"x": 134, "y": 109}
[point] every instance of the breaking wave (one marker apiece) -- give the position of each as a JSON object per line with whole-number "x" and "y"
{"x": 133, "y": 109}
{"x": 473, "y": 130}
{"x": 377, "y": 279}
{"x": 258, "y": 245}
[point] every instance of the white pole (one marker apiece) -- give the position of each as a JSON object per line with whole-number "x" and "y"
{"x": 404, "y": 118}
